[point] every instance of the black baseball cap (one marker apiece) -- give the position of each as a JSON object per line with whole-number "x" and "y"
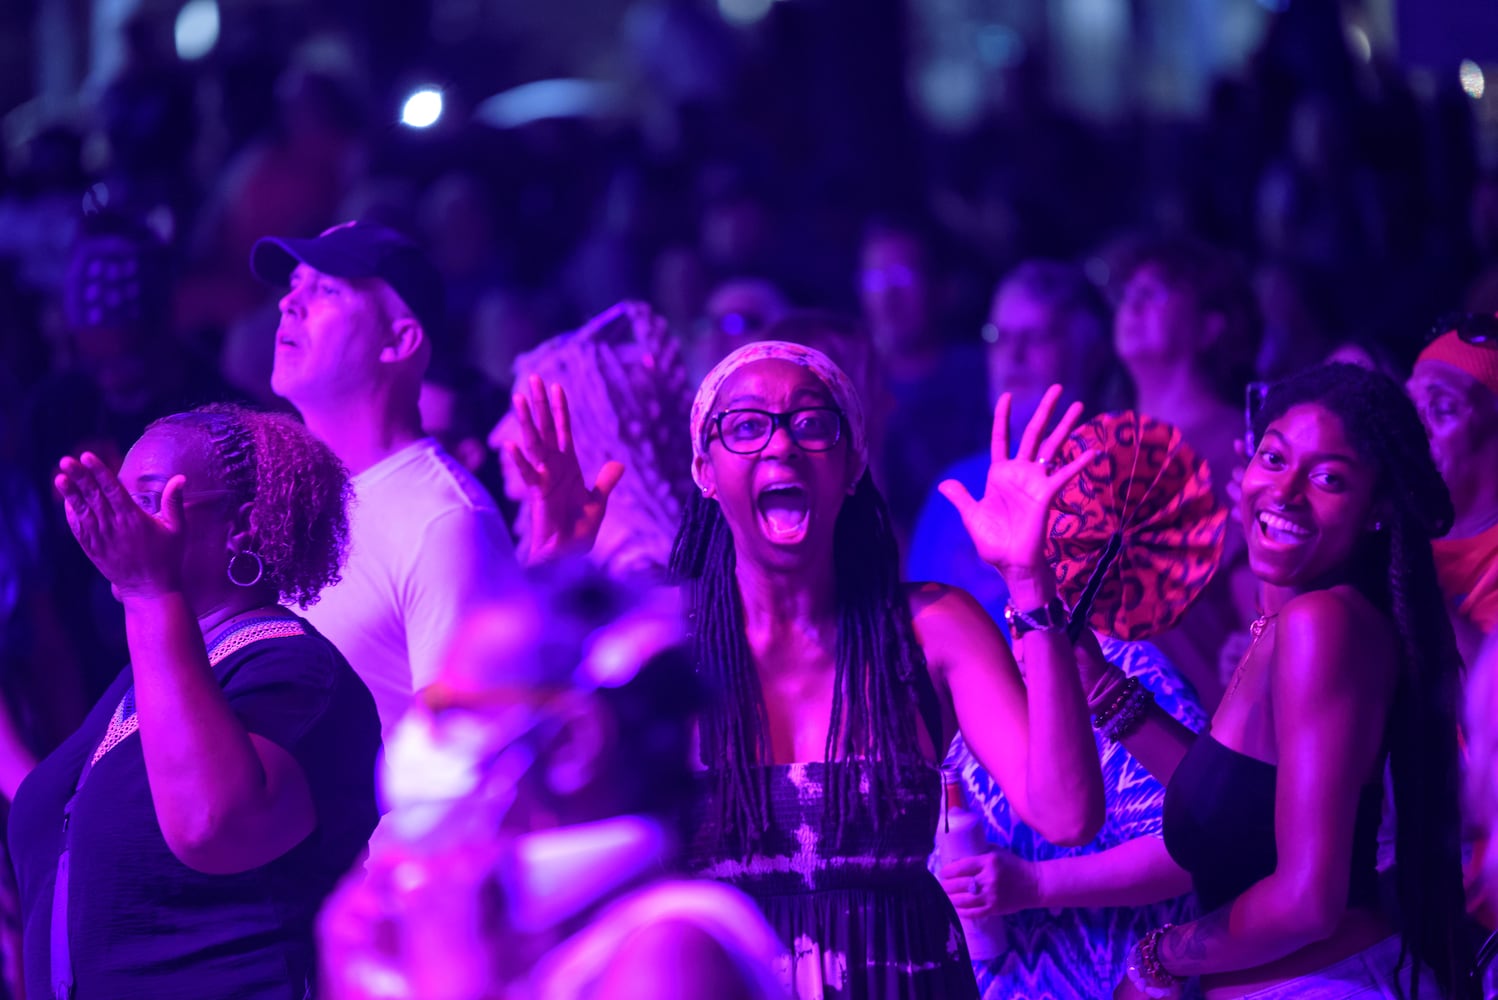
{"x": 360, "y": 250}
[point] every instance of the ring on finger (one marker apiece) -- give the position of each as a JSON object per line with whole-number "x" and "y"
{"x": 977, "y": 887}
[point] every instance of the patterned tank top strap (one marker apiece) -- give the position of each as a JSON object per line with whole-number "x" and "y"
{"x": 251, "y": 631}
{"x": 124, "y": 721}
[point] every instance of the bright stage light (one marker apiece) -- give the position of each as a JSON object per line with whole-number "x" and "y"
{"x": 1472, "y": 79}
{"x": 423, "y": 108}
{"x": 196, "y": 29}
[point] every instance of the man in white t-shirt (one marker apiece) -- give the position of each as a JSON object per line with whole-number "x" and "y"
{"x": 426, "y": 540}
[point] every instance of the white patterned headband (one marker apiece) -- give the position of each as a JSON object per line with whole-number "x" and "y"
{"x": 843, "y": 394}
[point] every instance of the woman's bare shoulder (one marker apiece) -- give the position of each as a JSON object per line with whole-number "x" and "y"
{"x": 939, "y": 600}
{"x": 1335, "y": 630}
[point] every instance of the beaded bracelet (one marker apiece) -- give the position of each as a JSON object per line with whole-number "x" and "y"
{"x": 1130, "y": 716}
{"x": 1105, "y": 689}
{"x": 1145, "y": 971}
{"x": 1149, "y": 950}
{"x": 1121, "y": 696}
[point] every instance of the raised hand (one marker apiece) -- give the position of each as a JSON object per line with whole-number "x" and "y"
{"x": 565, "y": 513}
{"x": 1008, "y": 524}
{"x": 139, "y": 553}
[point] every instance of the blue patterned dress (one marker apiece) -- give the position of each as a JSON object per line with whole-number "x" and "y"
{"x": 1077, "y": 953}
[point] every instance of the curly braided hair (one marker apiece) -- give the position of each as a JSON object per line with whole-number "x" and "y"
{"x": 877, "y": 657}
{"x": 299, "y": 489}
{"x": 1397, "y": 572}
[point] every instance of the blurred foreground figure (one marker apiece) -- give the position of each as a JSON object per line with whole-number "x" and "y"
{"x": 535, "y": 790}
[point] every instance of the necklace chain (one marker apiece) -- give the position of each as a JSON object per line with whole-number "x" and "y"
{"x": 1256, "y": 632}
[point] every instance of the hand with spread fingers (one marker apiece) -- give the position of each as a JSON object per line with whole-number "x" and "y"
{"x": 1009, "y": 523}
{"x": 139, "y": 553}
{"x": 565, "y": 513}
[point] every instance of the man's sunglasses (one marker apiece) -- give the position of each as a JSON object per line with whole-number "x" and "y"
{"x": 1480, "y": 329}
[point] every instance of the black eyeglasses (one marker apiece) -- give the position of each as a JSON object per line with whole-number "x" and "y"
{"x": 747, "y": 432}
{"x": 1479, "y": 329}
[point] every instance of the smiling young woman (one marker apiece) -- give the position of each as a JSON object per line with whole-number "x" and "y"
{"x": 1274, "y": 811}
{"x": 838, "y": 688}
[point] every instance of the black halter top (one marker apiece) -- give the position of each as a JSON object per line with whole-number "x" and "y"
{"x": 1219, "y": 825}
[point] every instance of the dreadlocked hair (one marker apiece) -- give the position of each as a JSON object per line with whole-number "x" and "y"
{"x": 877, "y": 659}
{"x": 299, "y": 489}
{"x": 1397, "y": 572}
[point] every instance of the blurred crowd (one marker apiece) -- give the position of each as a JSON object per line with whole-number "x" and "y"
{"x": 1320, "y": 209}
{"x": 750, "y": 186}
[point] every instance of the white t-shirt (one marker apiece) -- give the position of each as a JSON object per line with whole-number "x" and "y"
{"x": 426, "y": 542}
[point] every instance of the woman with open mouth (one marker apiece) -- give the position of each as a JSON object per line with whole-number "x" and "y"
{"x": 839, "y": 687}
